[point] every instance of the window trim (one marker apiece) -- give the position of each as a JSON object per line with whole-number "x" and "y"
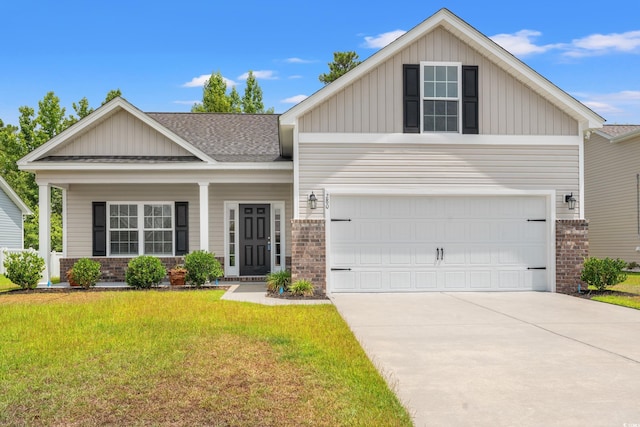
{"x": 141, "y": 229}
{"x": 423, "y": 98}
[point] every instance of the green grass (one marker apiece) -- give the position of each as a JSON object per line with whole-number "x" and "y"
{"x": 6, "y": 284}
{"x": 183, "y": 358}
{"x": 629, "y": 286}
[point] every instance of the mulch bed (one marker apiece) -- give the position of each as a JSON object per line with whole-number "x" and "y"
{"x": 594, "y": 293}
{"x": 289, "y": 295}
{"x": 81, "y": 289}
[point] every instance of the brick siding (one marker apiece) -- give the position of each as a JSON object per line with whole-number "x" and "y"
{"x": 308, "y": 252}
{"x": 572, "y": 247}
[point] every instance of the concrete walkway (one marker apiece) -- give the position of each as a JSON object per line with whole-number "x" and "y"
{"x": 503, "y": 359}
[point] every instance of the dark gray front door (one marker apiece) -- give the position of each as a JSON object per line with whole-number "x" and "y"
{"x": 255, "y": 240}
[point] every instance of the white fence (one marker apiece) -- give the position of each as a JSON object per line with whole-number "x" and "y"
{"x": 54, "y": 260}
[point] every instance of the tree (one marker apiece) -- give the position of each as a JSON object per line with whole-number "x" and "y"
{"x": 216, "y": 100}
{"x": 214, "y": 96}
{"x": 113, "y": 93}
{"x": 342, "y": 62}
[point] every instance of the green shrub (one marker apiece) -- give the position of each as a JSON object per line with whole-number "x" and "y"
{"x": 278, "y": 280}
{"x": 602, "y": 273}
{"x": 24, "y": 268}
{"x": 54, "y": 280}
{"x": 202, "y": 266}
{"x": 302, "y": 288}
{"x": 86, "y": 272}
{"x": 633, "y": 265}
{"x": 144, "y": 271}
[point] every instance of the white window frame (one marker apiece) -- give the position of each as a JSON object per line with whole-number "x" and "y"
{"x": 424, "y": 98}
{"x": 141, "y": 229}
{"x": 234, "y": 271}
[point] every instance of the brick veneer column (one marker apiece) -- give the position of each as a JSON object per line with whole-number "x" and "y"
{"x": 572, "y": 247}
{"x": 308, "y": 252}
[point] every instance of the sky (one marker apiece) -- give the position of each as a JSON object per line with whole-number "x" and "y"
{"x": 159, "y": 53}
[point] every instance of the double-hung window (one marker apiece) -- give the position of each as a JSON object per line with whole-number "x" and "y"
{"x": 441, "y": 91}
{"x": 140, "y": 228}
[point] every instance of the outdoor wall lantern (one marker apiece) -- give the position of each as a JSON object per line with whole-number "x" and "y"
{"x": 570, "y": 200}
{"x": 312, "y": 201}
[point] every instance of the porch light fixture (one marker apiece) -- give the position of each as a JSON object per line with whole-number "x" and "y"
{"x": 312, "y": 201}
{"x": 570, "y": 200}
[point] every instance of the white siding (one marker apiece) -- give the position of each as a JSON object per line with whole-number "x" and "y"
{"x": 121, "y": 134}
{"x": 374, "y": 102}
{"x": 80, "y": 197}
{"x": 438, "y": 167}
{"x": 612, "y": 197}
{"x": 10, "y": 223}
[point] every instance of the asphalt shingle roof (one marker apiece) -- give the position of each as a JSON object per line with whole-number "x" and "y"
{"x": 227, "y": 137}
{"x": 617, "y": 130}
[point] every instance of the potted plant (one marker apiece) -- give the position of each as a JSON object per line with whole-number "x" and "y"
{"x": 177, "y": 275}
{"x": 70, "y": 279}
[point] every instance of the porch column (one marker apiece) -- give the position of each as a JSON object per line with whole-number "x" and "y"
{"x": 64, "y": 220}
{"x": 44, "y": 226}
{"x": 204, "y": 215}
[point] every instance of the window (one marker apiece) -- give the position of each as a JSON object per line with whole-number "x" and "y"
{"x": 232, "y": 238}
{"x": 440, "y": 97}
{"x": 153, "y": 235}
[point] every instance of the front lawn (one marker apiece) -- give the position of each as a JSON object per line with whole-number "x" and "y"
{"x": 626, "y": 293}
{"x": 183, "y": 358}
{"x": 6, "y": 284}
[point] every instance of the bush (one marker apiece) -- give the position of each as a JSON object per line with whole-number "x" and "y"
{"x": 301, "y": 287}
{"x": 202, "y": 266}
{"x": 633, "y": 265}
{"x": 278, "y": 280}
{"x": 85, "y": 272}
{"x": 602, "y": 273}
{"x": 144, "y": 271}
{"x": 24, "y": 268}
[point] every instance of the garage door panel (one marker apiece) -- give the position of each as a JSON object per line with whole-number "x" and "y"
{"x": 420, "y": 243}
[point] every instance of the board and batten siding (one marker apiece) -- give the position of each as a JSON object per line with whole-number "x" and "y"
{"x": 80, "y": 196}
{"x": 612, "y": 197}
{"x": 373, "y": 104}
{"x": 121, "y": 134}
{"x": 438, "y": 168}
{"x": 10, "y": 223}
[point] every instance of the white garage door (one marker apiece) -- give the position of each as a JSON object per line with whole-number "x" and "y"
{"x": 420, "y": 243}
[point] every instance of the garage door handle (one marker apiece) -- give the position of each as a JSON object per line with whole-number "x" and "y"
{"x": 536, "y": 220}
{"x": 340, "y": 219}
{"x": 340, "y": 269}
{"x": 536, "y": 268}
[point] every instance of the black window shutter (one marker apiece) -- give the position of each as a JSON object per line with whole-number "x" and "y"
{"x": 99, "y": 213}
{"x": 470, "y": 99}
{"x": 411, "y": 98}
{"x": 182, "y": 228}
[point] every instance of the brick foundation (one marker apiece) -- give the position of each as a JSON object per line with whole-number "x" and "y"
{"x": 572, "y": 247}
{"x": 113, "y": 268}
{"x": 308, "y": 252}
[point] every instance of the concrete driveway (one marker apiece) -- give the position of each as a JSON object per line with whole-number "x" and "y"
{"x": 503, "y": 359}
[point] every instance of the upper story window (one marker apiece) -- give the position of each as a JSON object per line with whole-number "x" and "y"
{"x": 441, "y": 97}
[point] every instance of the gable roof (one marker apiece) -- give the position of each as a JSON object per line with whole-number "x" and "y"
{"x": 101, "y": 113}
{"x": 227, "y": 137}
{"x": 4, "y": 186}
{"x": 584, "y": 115}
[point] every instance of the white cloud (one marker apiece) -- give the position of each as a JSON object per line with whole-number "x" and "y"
{"x": 185, "y": 102}
{"x": 294, "y": 99}
{"x": 600, "y": 44}
{"x": 616, "y": 107}
{"x": 202, "y": 79}
{"x": 381, "y": 40}
{"x": 295, "y": 76}
{"x": 260, "y": 74}
{"x": 298, "y": 61}
{"x": 521, "y": 43}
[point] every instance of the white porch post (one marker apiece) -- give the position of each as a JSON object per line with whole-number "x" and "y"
{"x": 64, "y": 220}
{"x": 44, "y": 226}
{"x": 204, "y": 215}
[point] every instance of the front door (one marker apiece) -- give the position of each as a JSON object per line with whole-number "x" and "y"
{"x": 255, "y": 240}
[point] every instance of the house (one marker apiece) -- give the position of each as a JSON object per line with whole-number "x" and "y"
{"x": 612, "y": 187}
{"x": 442, "y": 162}
{"x": 12, "y": 213}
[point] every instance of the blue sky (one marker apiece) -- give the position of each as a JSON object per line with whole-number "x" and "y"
{"x": 157, "y": 52}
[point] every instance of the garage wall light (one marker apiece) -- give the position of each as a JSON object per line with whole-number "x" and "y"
{"x": 570, "y": 200}
{"x": 312, "y": 201}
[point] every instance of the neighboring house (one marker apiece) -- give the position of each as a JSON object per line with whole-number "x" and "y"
{"x": 12, "y": 213}
{"x": 612, "y": 188}
{"x": 442, "y": 162}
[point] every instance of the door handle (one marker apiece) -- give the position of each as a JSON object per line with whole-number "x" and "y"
{"x": 438, "y": 254}
{"x": 442, "y": 254}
